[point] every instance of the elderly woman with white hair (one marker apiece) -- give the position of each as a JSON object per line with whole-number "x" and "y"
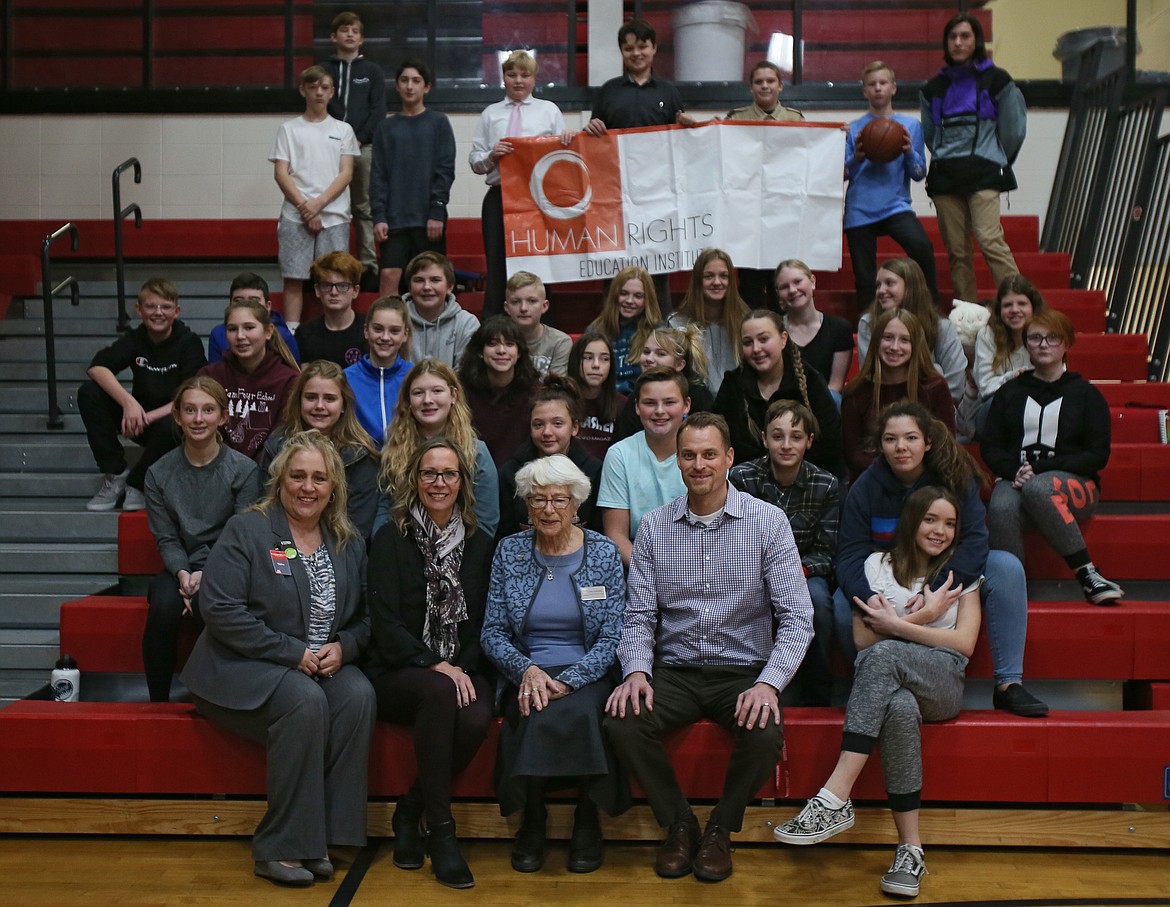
{"x": 554, "y": 615}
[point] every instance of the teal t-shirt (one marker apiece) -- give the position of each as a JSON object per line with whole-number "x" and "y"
{"x": 633, "y": 479}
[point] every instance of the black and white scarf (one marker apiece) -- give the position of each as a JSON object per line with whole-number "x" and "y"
{"x": 442, "y": 551}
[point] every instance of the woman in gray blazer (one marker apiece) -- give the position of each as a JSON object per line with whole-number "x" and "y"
{"x": 283, "y": 603}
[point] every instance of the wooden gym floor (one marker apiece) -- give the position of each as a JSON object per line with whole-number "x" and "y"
{"x": 109, "y": 870}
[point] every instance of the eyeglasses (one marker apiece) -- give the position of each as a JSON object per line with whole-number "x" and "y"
{"x": 157, "y": 306}
{"x": 431, "y": 476}
{"x": 559, "y": 502}
{"x": 327, "y": 288}
{"x": 1044, "y": 339}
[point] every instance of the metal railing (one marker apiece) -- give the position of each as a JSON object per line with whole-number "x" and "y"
{"x": 120, "y": 214}
{"x": 1143, "y": 288}
{"x": 48, "y": 291}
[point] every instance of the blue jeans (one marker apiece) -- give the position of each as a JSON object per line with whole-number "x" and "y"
{"x": 1005, "y": 605}
{"x": 813, "y": 683}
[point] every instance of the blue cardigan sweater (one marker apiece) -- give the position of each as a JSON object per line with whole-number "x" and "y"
{"x": 516, "y": 579}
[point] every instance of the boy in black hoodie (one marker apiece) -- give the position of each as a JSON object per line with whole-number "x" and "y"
{"x": 161, "y": 353}
{"x": 359, "y": 99}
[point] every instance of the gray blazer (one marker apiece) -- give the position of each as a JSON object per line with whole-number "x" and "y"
{"x": 257, "y": 621}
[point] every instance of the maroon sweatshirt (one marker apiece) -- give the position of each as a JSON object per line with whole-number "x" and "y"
{"x": 255, "y": 401}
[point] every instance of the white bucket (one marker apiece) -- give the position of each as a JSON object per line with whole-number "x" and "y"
{"x": 709, "y": 41}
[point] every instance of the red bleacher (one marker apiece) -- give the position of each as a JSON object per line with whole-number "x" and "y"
{"x": 979, "y": 757}
{"x": 1086, "y": 757}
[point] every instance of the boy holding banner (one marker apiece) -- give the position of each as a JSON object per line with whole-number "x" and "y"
{"x": 518, "y": 114}
{"x": 638, "y": 98}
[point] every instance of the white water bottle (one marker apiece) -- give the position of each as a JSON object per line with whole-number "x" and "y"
{"x": 66, "y": 680}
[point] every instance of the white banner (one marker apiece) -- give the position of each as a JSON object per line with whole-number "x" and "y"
{"x": 656, "y": 197}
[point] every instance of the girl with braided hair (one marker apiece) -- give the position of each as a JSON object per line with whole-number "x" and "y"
{"x": 772, "y": 369}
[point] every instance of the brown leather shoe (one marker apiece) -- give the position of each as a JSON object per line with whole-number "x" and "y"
{"x": 676, "y": 856}
{"x": 713, "y": 860}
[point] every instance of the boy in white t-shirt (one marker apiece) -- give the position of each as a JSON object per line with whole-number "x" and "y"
{"x": 314, "y": 156}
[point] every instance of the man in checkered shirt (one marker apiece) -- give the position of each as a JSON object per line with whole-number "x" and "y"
{"x": 711, "y": 573}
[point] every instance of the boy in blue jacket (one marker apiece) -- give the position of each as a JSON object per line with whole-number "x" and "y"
{"x": 877, "y": 202}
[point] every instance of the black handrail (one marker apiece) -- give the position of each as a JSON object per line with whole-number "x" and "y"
{"x": 120, "y": 214}
{"x": 48, "y": 291}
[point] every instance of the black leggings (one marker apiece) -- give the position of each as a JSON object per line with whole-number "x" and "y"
{"x": 160, "y": 638}
{"x": 446, "y": 737}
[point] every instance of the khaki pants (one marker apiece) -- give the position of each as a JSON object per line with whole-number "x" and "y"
{"x": 961, "y": 217}
{"x": 359, "y": 205}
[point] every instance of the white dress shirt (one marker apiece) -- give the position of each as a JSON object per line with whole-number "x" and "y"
{"x": 537, "y": 117}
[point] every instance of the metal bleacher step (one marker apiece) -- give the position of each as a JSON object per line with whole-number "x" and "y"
{"x": 69, "y": 374}
{"x": 81, "y": 486}
{"x": 33, "y": 609}
{"x": 36, "y": 648}
{"x": 30, "y": 423}
{"x": 17, "y": 684}
{"x": 68, "y": 349}
{"x": 59, "y": 557}
{"x": 67, "y": 454}
{"x": 60, "y": 525}
{"x": 70, "y": 585}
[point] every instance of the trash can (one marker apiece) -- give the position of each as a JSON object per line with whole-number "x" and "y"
{"x": 709, "y": 41}
{"x": 1072, "y": 45}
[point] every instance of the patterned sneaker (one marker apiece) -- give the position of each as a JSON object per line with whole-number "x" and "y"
{"x": 906, "y": 872}
{"x": 113, "y": 487}
{"x": 1096, "y": 588}
{"x": 815, "y": 823}
{"x": 135, "y": 499}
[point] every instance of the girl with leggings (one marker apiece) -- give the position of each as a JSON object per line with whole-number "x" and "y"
{"x": 1047, "y": 439}
{"x": 190, "y": 494}
{"x": 914, "y": 642}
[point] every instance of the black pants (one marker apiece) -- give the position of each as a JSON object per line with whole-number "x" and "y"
{"x": 446, "y": 737}
{"x": 907, "y": 231}
{"x": 102, "y": 416}
{"x": 682, "y": 696}
{"x": 160, "y": 638}
{"x": 492, "y": 224}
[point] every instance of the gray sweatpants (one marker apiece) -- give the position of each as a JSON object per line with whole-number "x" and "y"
{"x": 1053, "y": 502}
{"x": 896, "y": 686}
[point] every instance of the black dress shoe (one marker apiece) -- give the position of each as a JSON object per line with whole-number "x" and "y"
{"x": 277, "y": 872}
{"x": 528, "y": 849}
{"x": 1018, "y": 701}
{"x": 585, "y": 849}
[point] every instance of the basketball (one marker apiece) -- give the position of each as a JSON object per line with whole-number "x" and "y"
{"x": 882, "y": 139}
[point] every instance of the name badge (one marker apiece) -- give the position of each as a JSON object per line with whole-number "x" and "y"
{"x": 593, "y": 593}
{"x": 280, "y": 564}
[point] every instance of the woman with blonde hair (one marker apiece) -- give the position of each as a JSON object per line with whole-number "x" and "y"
{"x": 901, "y": 284}
{"x": 712, "y": 301}
{"x": 431, "y": 403}
{"x": 629, "y": 313}
{"x": 322, "y": 399}
{"x": 283, "y": 603}
{"x": 825, "y": 341}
